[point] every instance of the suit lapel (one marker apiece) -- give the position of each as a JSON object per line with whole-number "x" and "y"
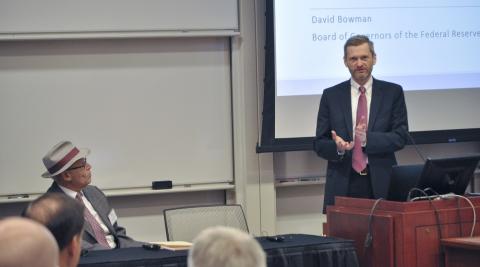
{"x": 88, "y": 228}
{"x": 347, "y": 107}
{"x": 103, "y": 215}
{"x": 377, "y": 97}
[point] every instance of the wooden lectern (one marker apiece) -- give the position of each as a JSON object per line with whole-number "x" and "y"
{"x": 462, "y": 251}
{"x": 404, "y": 234}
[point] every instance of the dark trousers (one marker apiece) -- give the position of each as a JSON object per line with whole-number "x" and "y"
{"x": 360, "y": 186}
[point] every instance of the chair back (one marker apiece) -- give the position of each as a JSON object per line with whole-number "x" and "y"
{"x": 185, "y": 223}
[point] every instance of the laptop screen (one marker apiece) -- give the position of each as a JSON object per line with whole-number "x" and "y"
{"x": 436, "y": 176}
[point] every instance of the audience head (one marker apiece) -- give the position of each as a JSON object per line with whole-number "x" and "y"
{"x": 63, "y": 216}
{"x": 68, "y": 166}
{"x": 26, "y": 243}
{"x": 227, "y": 247}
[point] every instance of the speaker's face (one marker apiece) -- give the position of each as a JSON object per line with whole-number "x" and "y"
{"x": 359, "y": 60}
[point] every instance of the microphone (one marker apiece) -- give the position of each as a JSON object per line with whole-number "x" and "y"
{"x": 417, "y": 149}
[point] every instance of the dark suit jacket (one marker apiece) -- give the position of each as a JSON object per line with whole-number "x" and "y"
{"x": 100, "y": 204}
{"x": 386, "y": 133}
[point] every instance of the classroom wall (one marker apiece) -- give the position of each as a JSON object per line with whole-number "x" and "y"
{"x": 141, "y": 213}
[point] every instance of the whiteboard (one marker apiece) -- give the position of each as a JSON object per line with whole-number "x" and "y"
{"x": 149, "y": 109}
{"x": 71, "y": 16}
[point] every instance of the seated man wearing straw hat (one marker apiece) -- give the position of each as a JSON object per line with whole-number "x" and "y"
{"x": 68, "y": 167}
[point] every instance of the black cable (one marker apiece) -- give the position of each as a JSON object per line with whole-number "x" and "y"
{"x": 437, "y": 219}
{"x": 441, "y": 253}
{"x": 459, "y": 216}
{"x": 369, "y": 237}
{"x": 431, "y": 190}
{"x": 415, "y": 189}
{"x": 420, "y": 153}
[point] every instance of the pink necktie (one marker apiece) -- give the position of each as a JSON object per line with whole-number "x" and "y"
{"x": 359, "y": 159}
{"x": 97, "y": 229}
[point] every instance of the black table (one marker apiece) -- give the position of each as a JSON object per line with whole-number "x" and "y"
{"x": 296, "y": 250}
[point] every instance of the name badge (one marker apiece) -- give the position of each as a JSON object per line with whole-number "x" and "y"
{"x": 112, "y": 216}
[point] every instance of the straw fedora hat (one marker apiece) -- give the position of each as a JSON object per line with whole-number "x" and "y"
{"x": 61, "y": 157}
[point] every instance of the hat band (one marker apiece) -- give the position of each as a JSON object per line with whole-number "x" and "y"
{"x": 63, "y": 161}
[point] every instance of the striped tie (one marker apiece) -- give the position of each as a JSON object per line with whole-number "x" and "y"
{"x": 359, "y": 159}
{"x": 97, "y": 229}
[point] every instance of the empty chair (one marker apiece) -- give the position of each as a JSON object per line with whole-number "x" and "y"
{"x": 184, "y": 224}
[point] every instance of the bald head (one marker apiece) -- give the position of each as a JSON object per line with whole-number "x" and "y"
{"x": 25, "y": 243}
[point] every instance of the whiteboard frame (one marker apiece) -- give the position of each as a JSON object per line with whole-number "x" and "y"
{"x": 65, "y": 19}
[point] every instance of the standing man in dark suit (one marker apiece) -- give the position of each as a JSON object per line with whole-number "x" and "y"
{"x": 361, "y": 123}
{"x": 67, "y": 166}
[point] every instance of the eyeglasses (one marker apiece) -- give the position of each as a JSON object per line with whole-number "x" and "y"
{"x": 84, "y": 164}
